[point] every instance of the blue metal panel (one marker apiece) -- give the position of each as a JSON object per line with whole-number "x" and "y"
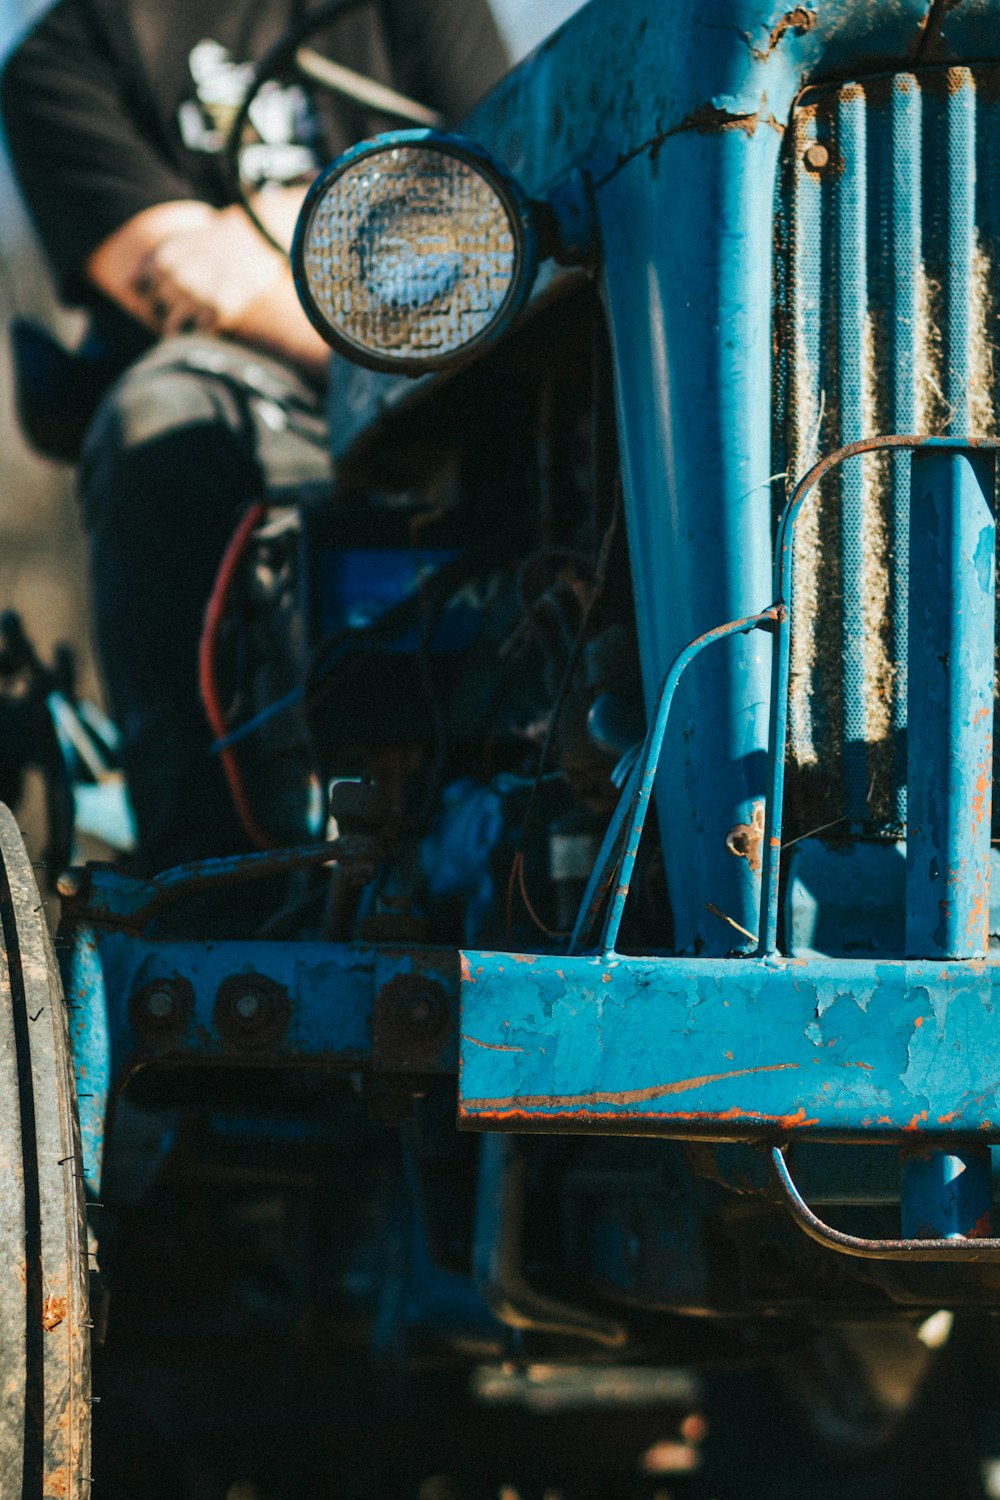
{"x": 951, "y": 672}
{"x": 729, "y": 1048}
{"x": 697, "y": 501}
{"x": 326, "y": 1014}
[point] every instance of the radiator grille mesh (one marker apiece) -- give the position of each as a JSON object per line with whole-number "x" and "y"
{"x": 886, "y": 321}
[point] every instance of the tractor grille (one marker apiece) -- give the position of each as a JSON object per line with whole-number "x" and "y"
{"x": 886, "y": 322}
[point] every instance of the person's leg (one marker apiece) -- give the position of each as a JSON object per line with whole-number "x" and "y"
{"x": 181, "y": 444}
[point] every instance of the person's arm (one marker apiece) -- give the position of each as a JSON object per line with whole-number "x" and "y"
{"x": 182, "y": 266}
{"x": 113, "y": 213}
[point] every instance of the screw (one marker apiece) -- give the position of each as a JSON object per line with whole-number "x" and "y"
{"x": 816, "y": 157}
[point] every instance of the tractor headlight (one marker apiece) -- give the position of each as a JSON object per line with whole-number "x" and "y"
{"x": 413, "y": 250}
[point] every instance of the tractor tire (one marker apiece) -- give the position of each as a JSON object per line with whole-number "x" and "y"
{"x": 44, "y": 1311}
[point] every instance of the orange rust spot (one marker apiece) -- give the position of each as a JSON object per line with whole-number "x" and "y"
{"x": 977, "y": 915}
{"x": 953, "y": 1114}
{"x": 511, "y": 1104}
{"x": 53, "y": 1312}
{"x": 745, "y": 839}
{"x": 918, "y": 1021}
{"x": 55, "y": 1486}
{"x": 798, "y": 20}
{"x": 916, "y": 1121}
{"x": 797, "y": 1121}
{"x": 524, "y": 1116}
{"x": 884, "y": 1120}
{"x": 729, "y": 1057}
{"x": 868, "y": 1067}
{"x": 981, "y": 1228}
{"x": 708, "y": 119}
{"x": 524, "y": 958}
{"x": 466, "y": 969}
{"x": 605, "y": 978}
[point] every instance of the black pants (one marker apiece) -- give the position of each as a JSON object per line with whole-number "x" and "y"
{"x": 180, "y": 445}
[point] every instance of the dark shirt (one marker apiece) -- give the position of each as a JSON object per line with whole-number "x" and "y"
{"x": 113, "y": 106}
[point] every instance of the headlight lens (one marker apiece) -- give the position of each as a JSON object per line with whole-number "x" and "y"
{"x": 413, "y": 250}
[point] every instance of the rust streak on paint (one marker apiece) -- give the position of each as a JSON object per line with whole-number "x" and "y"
{"x": 490, "y": 1046}
{"x": 799, "y": 21}
{"x": 623, "y": 1098}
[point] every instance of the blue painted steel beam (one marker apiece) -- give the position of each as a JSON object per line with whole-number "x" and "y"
{"x": 730, "y": 1049}
{"x": 951, "y": 675}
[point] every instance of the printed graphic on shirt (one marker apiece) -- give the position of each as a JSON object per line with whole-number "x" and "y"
{"x": 281, "y": 118}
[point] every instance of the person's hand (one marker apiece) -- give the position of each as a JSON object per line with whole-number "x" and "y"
{"x": 205, "y": 275}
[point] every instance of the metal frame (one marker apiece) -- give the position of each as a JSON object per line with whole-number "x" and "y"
{"x": 616, "y": 862}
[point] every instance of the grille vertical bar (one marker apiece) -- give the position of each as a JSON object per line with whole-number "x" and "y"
{"x": 851, "y": 241}
{"x": 959, "y": 139}
{"x": 903, "y": 413}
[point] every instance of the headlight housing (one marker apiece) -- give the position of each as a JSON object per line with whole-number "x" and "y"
{"x": 413, "y": 251}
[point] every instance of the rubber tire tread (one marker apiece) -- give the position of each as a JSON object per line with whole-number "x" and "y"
{"x": 44, "y": 1300}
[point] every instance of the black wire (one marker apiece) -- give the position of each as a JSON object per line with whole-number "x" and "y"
{"x": 269, "y": 67}
{"x": 600, "y": 578}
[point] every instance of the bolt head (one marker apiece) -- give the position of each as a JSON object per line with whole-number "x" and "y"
{"x": 160, "y": 1004}
{"x": 816, "y": 157}
{"x": 247, "y": 1006}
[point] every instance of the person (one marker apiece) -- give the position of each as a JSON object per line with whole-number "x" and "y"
{"x": 117, "y": 115}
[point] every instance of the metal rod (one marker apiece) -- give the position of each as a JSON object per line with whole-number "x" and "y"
{"x": 365, "y": 91}
{"x": 651, "y": 756}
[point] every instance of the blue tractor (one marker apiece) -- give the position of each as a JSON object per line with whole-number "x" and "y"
{"x": 603, "y": 1034}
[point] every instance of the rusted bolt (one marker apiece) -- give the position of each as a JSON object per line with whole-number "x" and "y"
{"x": 816, "y": 157}
{"x": 71, "y": 883}
{"x": 251, "y": 1010}
{"x": 161, "y": 1008}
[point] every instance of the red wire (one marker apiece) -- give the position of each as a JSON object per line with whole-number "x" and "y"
{"x": 207, "y": 681}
